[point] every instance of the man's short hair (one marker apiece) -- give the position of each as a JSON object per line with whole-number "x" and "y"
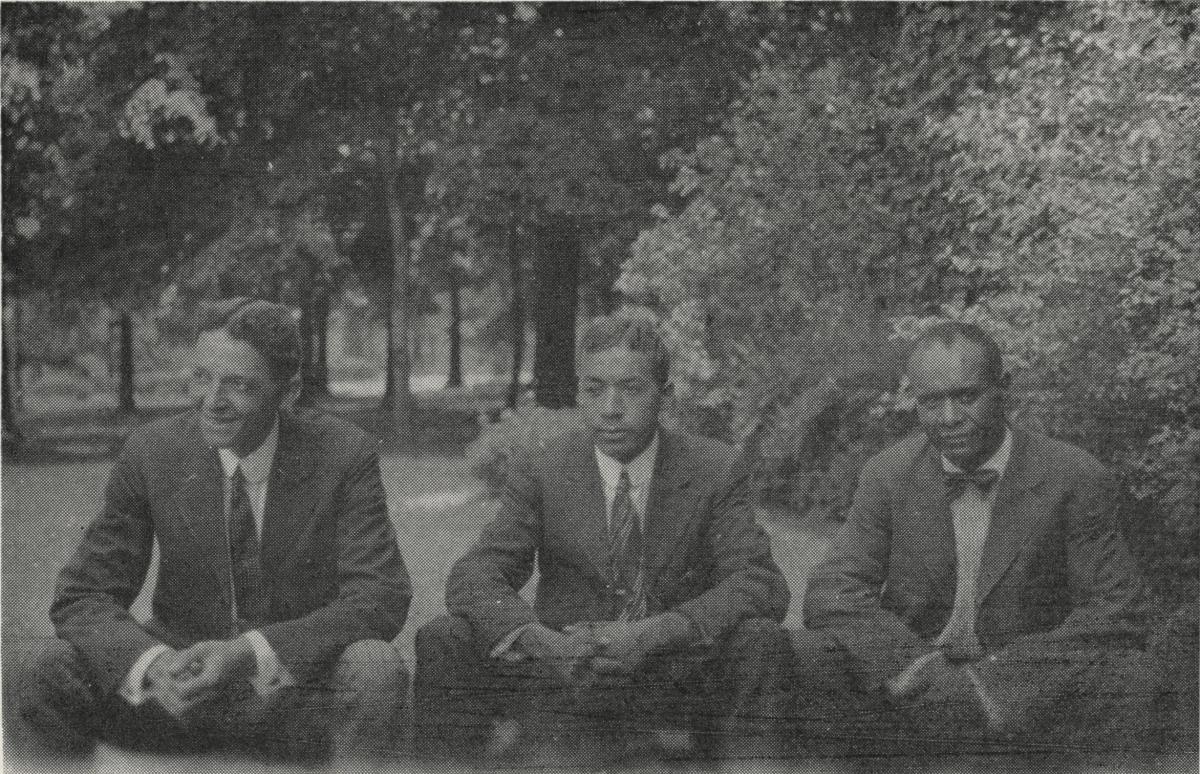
{"x": 635, "y": 333}
{"x": 991, "y": 364}
{"x": 268, "y": 327}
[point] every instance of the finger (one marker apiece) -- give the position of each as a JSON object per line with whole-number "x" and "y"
{"x": 187, "y": 668}
{"x": 194, "y": 687}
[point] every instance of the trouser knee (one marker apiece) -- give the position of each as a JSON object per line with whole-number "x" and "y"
{"x": 443, "y": 646}
{"x": 372, "y": 667}
{"x": 760, "y": 637}
{"x": 54, "y": 694}
{"x": 444, "y": 634}
{"x": 819, "y": 663}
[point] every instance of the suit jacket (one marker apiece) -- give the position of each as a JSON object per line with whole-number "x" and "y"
{"x": 332, "y": 570}
{"x": 1055, "y": 571}
{"x": 706, "y": 556}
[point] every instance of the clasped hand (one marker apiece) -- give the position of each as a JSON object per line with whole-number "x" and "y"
{"x": 610, "y": 649}
{"x": 182, "y": 680}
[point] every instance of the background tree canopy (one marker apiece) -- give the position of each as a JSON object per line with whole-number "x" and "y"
{"x": 793, "y": 190}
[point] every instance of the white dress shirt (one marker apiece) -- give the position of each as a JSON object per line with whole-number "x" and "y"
{"x": 641, "y": 470}
{"x": 972, "y": 513}
{"x": 256, "y": 469}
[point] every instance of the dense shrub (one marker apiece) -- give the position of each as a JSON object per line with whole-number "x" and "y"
{"x": 514, "y": 433}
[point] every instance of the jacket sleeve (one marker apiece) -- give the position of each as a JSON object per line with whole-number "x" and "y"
{"x": 1110, "y": 605}
{"x": 374, "y": 591}
{"x": 105, "y": 574}
{"x": 746, "y": 582}
{"x": 484, "y": 586}
{"x": 845, "y": 591}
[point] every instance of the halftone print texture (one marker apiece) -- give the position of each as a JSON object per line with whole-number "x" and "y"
{"x": 927, "y": 495}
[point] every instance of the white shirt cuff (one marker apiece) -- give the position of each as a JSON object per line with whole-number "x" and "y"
{"x": 904, "y": 682}
{"x": 271, "y": 674}
{"x": 133, "y": 688}
{"x": 504, "y": 649}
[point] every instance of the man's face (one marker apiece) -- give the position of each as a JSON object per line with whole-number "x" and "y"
{"x": 235, "y": 395}
{"x": 961, "y": 412}
{"x": 621, "y": 398}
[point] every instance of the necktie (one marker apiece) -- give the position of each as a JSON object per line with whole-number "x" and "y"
{"x": 625, "y": 555}
{"x": 982, "y": 479}
{"x": 972, "y": 516}
{"x": 245, "y": 562}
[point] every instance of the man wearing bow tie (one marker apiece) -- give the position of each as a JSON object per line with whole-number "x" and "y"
{"x": 280, "y": 583}
{"x": 658, "y": 604}
{"x": 981, "y": 587}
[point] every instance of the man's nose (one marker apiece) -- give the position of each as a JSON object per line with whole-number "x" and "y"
{"x": 613, "y": 406}
{"x": 214, "y": 397}
{"x": 951, "y": 414}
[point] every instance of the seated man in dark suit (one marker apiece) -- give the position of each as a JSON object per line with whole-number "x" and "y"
{"x": 981, "y": 588}
{"x": 658, "y": 603}
{"x": 280, "y": 583}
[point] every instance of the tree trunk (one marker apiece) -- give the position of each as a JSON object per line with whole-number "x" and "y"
{"x": 557, "y": 260}
{"x": 389, "y": 381}
{"x": 518, "y": 311}
{"x": 319, "y": 368}
{"x": 455, "y": 377}
{"x": 304, "y": 324}
{"x": 400, "y": 396}
{"x": 125, "y": 401}
{"x": 11, "y": 374}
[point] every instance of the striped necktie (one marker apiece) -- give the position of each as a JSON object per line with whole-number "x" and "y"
{"x": 625, "y": 555}
{"x": 244, "y": 550}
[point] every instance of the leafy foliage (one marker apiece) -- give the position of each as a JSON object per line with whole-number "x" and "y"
{"x": 1036, "y": 174}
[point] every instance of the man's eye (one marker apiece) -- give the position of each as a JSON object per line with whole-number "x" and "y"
{"x": 201, "y": 377}
{"x": 967, "y": 396}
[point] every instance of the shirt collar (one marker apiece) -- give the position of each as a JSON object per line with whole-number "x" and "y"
{"x": 256, "y": 465}
{"x": 640, "y": 468}
{"x": 997, "y": 462}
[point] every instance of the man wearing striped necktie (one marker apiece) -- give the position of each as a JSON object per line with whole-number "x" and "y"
{"x": 658, "y": 607}
{"x": 280, "y": 584}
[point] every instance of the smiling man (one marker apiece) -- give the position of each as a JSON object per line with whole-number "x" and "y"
{"x": 658, "y": 605}
{"x": 980, "y": 588}
{"x": 280, "y": 584}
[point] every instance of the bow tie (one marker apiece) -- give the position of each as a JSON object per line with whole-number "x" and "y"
{"x": 983, "y": 480}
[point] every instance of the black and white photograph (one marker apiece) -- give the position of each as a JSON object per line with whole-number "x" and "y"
{"x": 703, "y": 387}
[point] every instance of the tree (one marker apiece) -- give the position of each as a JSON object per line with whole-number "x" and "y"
{"x": 567, "y": 119}
{"x": 76, "y": 165}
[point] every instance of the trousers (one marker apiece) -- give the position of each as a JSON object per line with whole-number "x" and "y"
{"x": 354, "y": 710}
{"x": 1061, "y": 700}
{"x": 730, "y": 696}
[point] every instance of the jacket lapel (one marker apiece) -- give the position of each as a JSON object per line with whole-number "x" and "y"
{"x": 930, "y": 509}
{"x": 289, "y": 498}
{"x": 1013, "y": 514}
{"x": 586, "y": 511}
{"x": 199, "y": 503}
{"x": 667, "y": 512}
